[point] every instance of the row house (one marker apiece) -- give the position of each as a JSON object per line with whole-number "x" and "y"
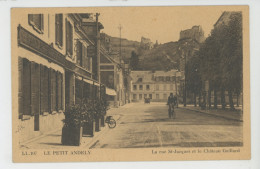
{"x": 154, "y": 85}
{"x": 56, "y": 60}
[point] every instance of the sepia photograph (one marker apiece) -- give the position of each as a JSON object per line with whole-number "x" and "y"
{"x": 130, "y": 83}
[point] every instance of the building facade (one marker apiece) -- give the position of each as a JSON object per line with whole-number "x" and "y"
{"x": 57, "y": 56}
{"x": 154, "y": 85}
{"x": 112, "y": 75}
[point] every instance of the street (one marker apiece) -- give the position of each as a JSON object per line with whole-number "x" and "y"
{"x": 142, "y": 125}
{"x": 147, "y": 125}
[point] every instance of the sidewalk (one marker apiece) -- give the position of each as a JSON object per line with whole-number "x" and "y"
{"x": 227, "y": 114}
{"x": 53, "y": 138}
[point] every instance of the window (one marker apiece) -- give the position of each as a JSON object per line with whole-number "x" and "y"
{"x": 140, "y": 96}
{"x": 164, "y": 78}
{"x": 145, "y": 95}
{"x": 147, "y": 87}
{"x": 171, "y": 86}
{"x": 59, "y": 30}
{"x": 40, "y": 89}
{"x": 157, "y": 96}
{"x": 79, "y": 53}
{"x": 157, "y": 87}
{"x": 164, "y": 87}
{"x": 89, "y": 64}
{"x": 36, "y": 21}
{"x": 134, "y": 96}
{"x": 167, "y": 78}
{"x": 69, "y": 39}
{"x": 164, "y": 96}
{"x": 84, "y": 57}
{"x": 134, "y": 87}
{"x": 140, "y": 87}
{"x": 140, "y": 79}
{"x": 173, "y": 78}
{"x": 150, "y": 96}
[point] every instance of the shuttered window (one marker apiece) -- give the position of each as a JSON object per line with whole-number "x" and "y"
{"x": 69, "y": 39}
{"x": 79, "y": 53}
{"x": 84, "y": 57}
{"x": 78, "y": 91}
{"x": 37, "y": 22}
{"x": 40, "y": 89}
{"x": 86, "y": 93}
{"x": 44, "y": 89}
{"x": 35, "y": 88}
{"x": 59, "y": 29}
{"x": 89, "y": 64}
{"x": 53, "y": 90}
{"x": 20, "y": 87}
{"x": 59, "y": 91}
{"x": 26, "y": 85}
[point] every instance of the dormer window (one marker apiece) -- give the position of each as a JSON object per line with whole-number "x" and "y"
{"x": 140, "y": 79}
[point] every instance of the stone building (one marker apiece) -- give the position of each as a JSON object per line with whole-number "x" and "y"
{"x": 195, "y": 33}
{"x": 155, "y": 85}
{"x": 112, "y": 75}
{"x": 57, "y": 61}
{"x": 146, "y": 43}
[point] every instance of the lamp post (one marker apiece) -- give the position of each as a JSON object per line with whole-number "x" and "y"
{"x": 185, "y": 77}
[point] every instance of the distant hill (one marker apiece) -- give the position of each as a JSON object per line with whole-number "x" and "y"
{"x": 168, "y": 55}
{"x": 127, "y": 46}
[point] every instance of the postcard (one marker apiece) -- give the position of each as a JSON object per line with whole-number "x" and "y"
{"x": 130, "y": 83}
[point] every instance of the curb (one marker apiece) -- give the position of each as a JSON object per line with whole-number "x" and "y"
{"x": 95, "y": 140}
{"x": 199, "y": 111}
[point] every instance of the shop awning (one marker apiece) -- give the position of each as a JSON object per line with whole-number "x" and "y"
{"x": 110, "y": 92}
{"x": 88, "y": 81}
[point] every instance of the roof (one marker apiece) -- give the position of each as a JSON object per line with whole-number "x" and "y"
{"x": 165, "y": 73}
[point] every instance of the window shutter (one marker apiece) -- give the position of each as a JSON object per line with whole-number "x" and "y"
{"x": 42, "y": 22}
{"x": 20, "y": 91}
{"x": 59, "y": 91}
{"x": 30, "y": 18}
{"x": 71, "y": 39}
{"x": 79, "y": 53}
{"x": 49, "y": 90}
{"x": 44, "y": 89}
{"x": 35, "y": 88}
{"x": 61, "y": 30}
{"x": 67, "y": 36}
{"x": 53, "y": 90}
{"x": 85, "y": 58}
{"x": 26, "y": 87}
{"x": 56, "y": 28}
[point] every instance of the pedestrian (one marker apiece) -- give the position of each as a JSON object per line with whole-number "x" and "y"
{"x": 171, "y": 102}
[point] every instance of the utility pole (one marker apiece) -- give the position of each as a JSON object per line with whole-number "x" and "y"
{"x": 185, "y": 74}
{"x": 98, "y": 48}
{"x": 120, "y": 50}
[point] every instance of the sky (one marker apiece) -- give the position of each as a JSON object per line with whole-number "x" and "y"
{"x": 157, "y": 23}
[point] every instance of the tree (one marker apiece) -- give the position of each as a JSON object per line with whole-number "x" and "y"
{"x": 220, "y": 59}
{"x": 134, "y": 61}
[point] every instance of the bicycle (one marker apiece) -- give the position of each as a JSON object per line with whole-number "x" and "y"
{"x": 171, "y": 111}
{"x": 110, "y": 121}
